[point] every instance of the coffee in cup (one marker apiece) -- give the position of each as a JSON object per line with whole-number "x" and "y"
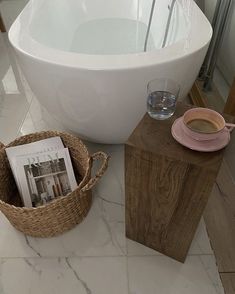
{"x": 203, "y": 124}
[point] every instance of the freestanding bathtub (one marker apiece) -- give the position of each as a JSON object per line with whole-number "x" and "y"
{"x": 85, "y": 59}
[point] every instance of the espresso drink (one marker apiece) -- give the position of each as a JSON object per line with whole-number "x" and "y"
{"x": 202, "y": 125}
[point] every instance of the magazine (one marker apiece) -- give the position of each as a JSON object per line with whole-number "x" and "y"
{"x": 41, "y": 146}
{"x": 43, "y": 171}
{"x": 45, "y": 177}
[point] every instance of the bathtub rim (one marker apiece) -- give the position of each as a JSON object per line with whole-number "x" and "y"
{"x": 40, "y": 52}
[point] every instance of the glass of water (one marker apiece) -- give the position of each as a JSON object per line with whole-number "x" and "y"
{"x": 162, "y": 97}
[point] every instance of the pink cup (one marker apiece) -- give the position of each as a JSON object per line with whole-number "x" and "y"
{"x": 208, "y": 115}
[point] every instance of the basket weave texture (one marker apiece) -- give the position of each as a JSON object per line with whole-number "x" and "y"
{"x": 60, "y": 214}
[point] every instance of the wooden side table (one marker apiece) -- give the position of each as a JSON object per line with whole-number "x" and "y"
{"x": 167, "y": 187}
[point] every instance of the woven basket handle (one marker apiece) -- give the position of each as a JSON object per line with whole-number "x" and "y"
{"x": 1, "y": 145}
{"x": 97, "y": 156}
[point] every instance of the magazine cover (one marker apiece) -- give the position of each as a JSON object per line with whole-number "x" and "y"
{"x": 46, "y": 145}
{"x": 44, "y": 177}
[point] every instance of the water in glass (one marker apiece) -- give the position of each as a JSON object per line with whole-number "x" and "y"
{"x": 161, "y": 104}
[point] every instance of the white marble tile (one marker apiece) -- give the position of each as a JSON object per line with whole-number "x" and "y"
{"x": 91, "y": 258}
{"x": 70, "y": 276}
{"x": 112, "y": 185}
{"x": 209, "y": 263}
{"x": 201, "y": 242}
{"x": 14, "y": 98}
{"x": 160, "y": 274}
{"x": 106, "y": 219}
{"x": 100, "y": 234}
{"x": 12, "y": 112}
{"x": 12, "y": 242}
{"x": 137, "y": 249}
{"x": 103, "y": 275}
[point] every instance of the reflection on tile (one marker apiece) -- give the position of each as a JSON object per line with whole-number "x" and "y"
{"x": 70, "y": 276}
{"x": 28, "y": 126}
{"x": 14, "y": 98}
{"x": 38, "y": 119}
{"x": 9, "y": 82}
{"x": 12, "y": 112}
{"x": 160, "y": 274}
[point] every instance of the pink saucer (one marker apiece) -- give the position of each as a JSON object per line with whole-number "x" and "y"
{"x": 204, "y": 146}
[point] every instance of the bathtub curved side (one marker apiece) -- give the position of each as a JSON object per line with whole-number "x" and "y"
{"x": 102, "y": 98}
{"x": 103, "y": 106}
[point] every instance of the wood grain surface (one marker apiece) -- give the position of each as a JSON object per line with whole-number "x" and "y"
{"x": 155, "y": 136}
{"x": 228, "y": 280}
{"x": 167, "y": 187}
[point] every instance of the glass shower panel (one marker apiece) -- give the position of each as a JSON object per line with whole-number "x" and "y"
{"x": 158, "y": 24}
{"x": 168, "y": 24}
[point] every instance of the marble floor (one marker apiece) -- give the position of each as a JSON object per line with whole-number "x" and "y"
{"x": 95, "y": 257}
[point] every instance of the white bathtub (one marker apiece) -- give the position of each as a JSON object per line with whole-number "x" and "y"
{"x": 84, "y": 59}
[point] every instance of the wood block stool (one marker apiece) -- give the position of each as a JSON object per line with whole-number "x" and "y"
{"x": 167, "y": 186}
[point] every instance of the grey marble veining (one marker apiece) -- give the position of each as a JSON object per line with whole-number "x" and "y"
{"x": 94, "y": 257}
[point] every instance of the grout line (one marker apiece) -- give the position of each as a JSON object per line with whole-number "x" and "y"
{"x": 62, "y": 257}
{"x": 101, "y": 256}
{"x": 128, "y": 277}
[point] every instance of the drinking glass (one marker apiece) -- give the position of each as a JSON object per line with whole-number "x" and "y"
{"x": 162, "y": 97}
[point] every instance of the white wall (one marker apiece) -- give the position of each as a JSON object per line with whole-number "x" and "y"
{"x": 10, "y": 9}
{"x": 209, "y": 6}
{"x": 226, "y": 62}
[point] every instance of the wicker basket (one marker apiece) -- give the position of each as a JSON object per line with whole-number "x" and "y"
{"x": 60, "y": 214}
